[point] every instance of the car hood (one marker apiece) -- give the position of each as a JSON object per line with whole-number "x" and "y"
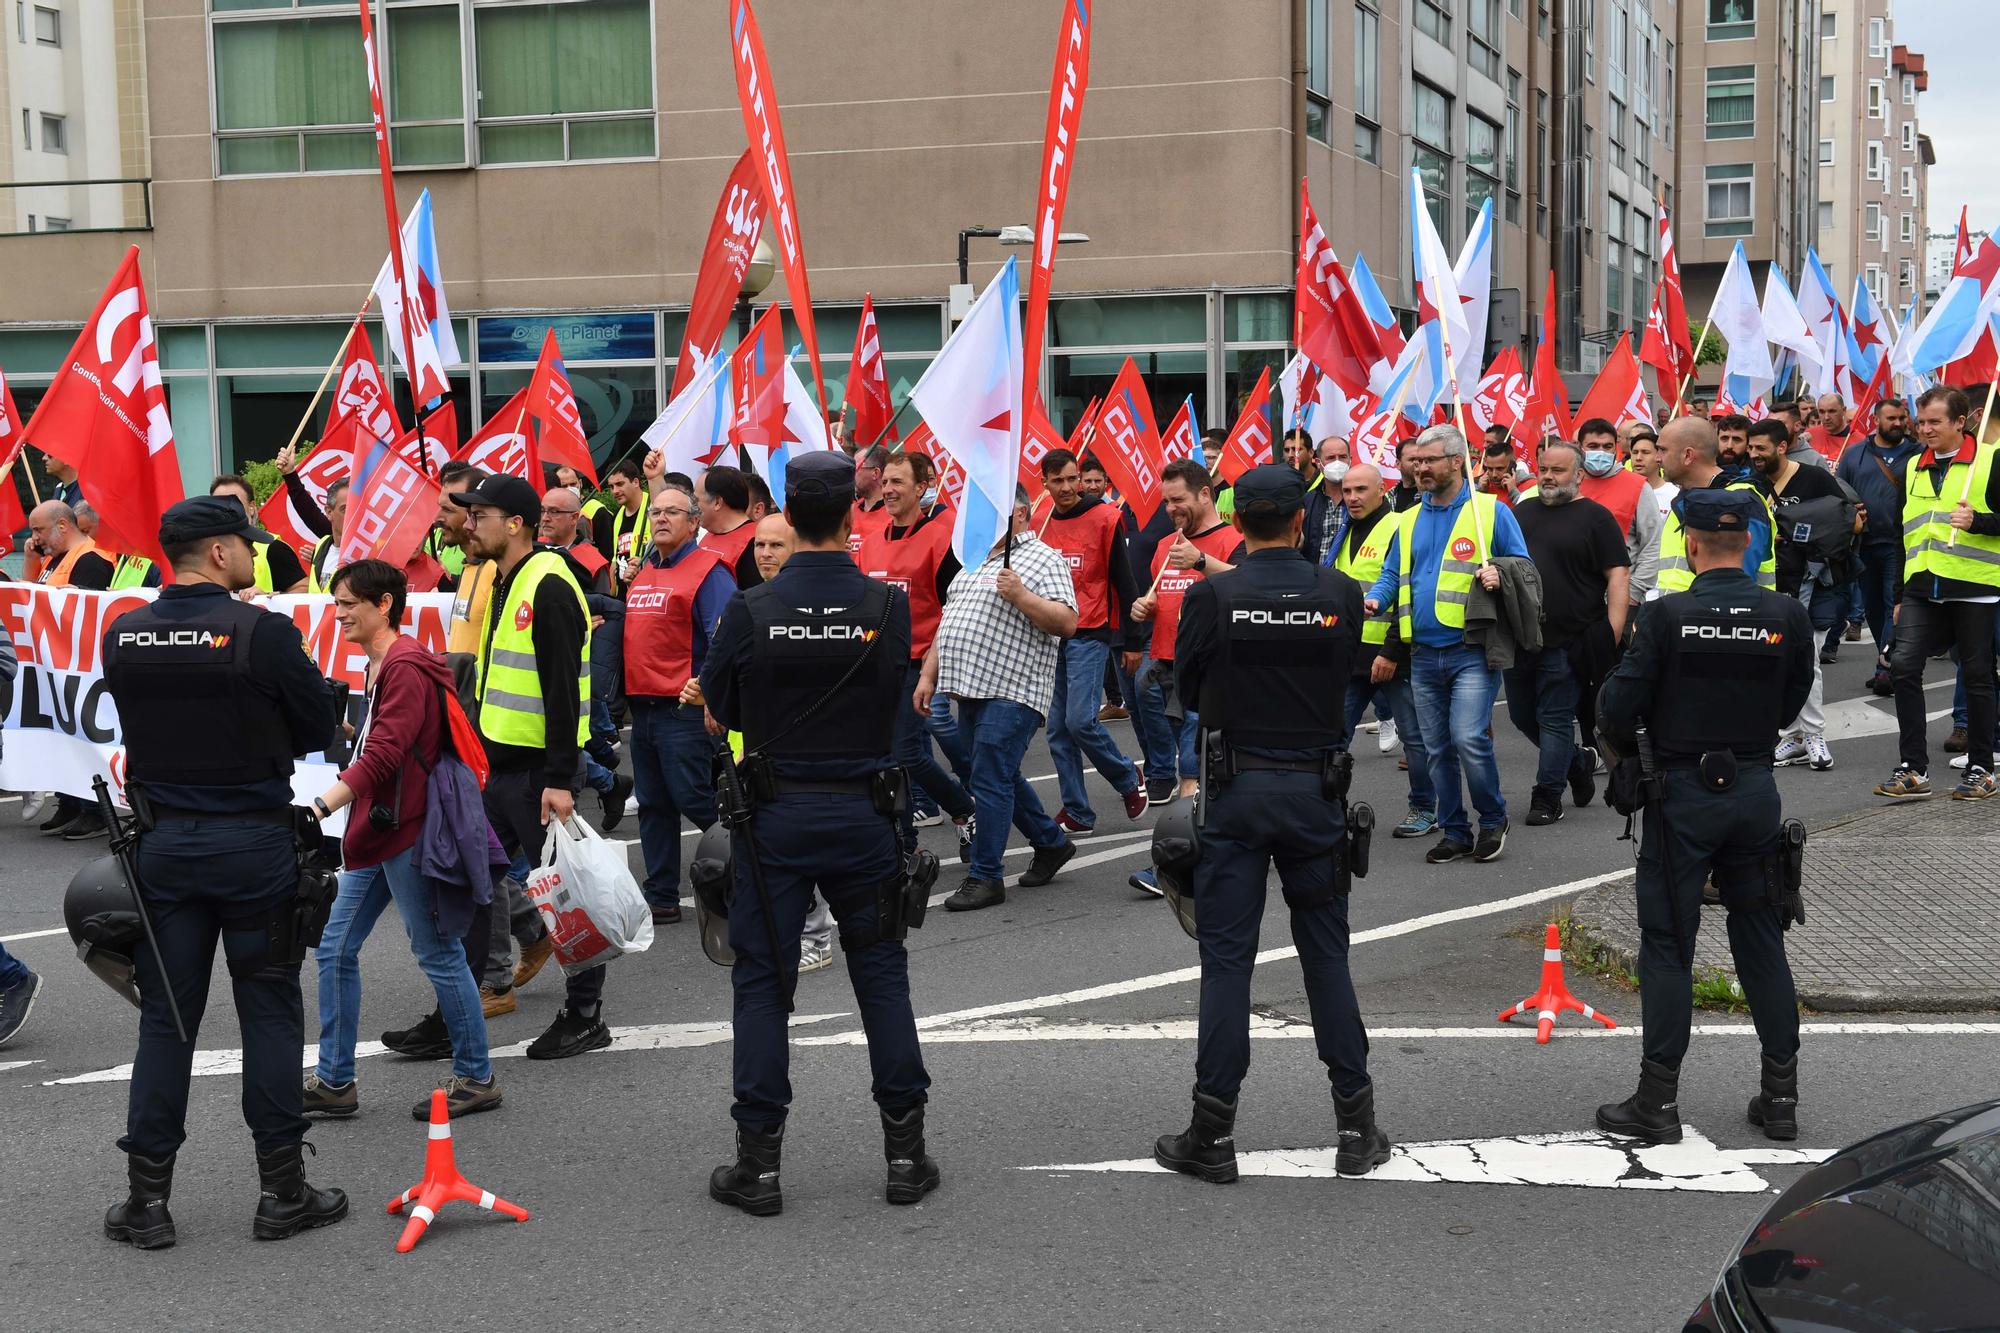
{"x": 1900, "y": 1231}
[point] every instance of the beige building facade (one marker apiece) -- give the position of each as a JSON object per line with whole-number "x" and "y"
{"x": 1873, "y": 156}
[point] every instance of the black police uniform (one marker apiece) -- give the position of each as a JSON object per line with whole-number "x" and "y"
{"x": 781, "y": 646}
{"x": 1713, "y": 671}
{"x": 1266, "y": 651}
{"x": 215, "y": 698}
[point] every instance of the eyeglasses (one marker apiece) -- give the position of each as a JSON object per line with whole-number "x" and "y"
{"x": 659, "y": 512}
{"x": 561, "y": 513}
{"x": 1415, "y": 460}
{"x": 475, "y": 516}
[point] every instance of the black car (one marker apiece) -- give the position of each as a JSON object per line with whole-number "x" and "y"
{"x": 1899, "y": 1232}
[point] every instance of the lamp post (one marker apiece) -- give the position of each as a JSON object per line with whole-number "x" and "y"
{"x": 1015, "y": 234}
{"x": 757, "y": 276}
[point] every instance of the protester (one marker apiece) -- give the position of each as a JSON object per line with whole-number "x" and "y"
{"x": 722, "y": 499}
{"x": 1621, "y": 491}
{"x": 276, "y": 563}
{"x": 1157, "y": 742}
{"x": 1644, "y": 459}
{"x": 1093, "y": 481}
{"x": 870, "y": 515}
{"x": 620, "y": 532}
{"x": 326, "y": 551}
{"x": 995, "y": 653}
{"x": 1805, "y": 497}
{"x": 1326, "y": 516}
{"x": 559, "y": 530}
{"x": 72, "y": 558}
{"x": 1690, "y": 453}
{"x": 402, "y": 737}
{"x": 1874, "y": 469}
{"x": 1732, "y": 444}
{"x": 1584, "y": 567}
{"x": 1496, "y": 473}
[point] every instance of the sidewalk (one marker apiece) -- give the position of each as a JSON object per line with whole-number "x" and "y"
{"x": 1902, "y": 913}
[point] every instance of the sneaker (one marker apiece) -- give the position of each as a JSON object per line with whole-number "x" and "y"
{"x": 1853, "y": 632}
{"x": 1046, "y": 862}
{"x": 1544, "y": 810}
{"x": 338, "y": 1100}
{"x": 968, "y": 828}
{"x": 1820, "y": 754}
{"x": 16, "y": 1003}
{"x": 1372, "y": 728}
{"x": 1492, "y": 841}
{"x": 930, "y": 818}
{"x": 1791, "y": 750}
{"x": 59, "y": 820}
{"x": 89, "y": 824}
{"x": 1113, "y": 713}
{"x": 428, "y": 1040}
{"x": 614, "y": 803}
{"x": 812, "y": 957}
{"x": 495, "y": 1003}
{"x": 532, "y": 958}
{"x": 1416, "y": 824}
{"x": 462, "y": 1096}
{"x": 1160, "y": 791}
{"x": 1136, "y": 800}
{"x": 33, "y": 803}
{"x": 1146, "y": 881}
{"x": 1069, "y": 823}
{"x": 1582, "y": 778}
{"x": 1447, "y": 850}
{"x": 571, "y": 1034}
{"x": 1905, "y": 783}
{"x": 1959, "y": 761}
{"x": 1976, "y": 785}
{"x": 1955, "y": 743}
{"x": 975, "y": 894}
{"x": 1880, "y": 685}
{"x": 1386, "y": 739}
{"x": 1829, "y": 654}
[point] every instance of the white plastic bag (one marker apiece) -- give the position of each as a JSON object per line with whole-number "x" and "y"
{"x": 588, "y": 899}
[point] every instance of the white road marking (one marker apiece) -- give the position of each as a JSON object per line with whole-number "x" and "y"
{"x": 16, "y": 1064}
{"x": 1075, "y": 863}
{"x": 1586, "y": 1159}
{"x": 34, "y": 935}
{"x": 1852, "y": 719}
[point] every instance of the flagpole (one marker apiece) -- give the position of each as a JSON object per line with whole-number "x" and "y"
{"x": 1457, "y": 413}
{"x": 27, "y": 472}
{"x": 338, "y": 358}
{"x": 1985, "y": 415}
{"x": 1681, "y": 394}
{"x": 721, "y": 364}
{"x": 403, "y": 289}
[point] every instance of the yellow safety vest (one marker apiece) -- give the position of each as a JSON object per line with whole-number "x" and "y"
{"x": 641, "y": 530}
{"x": 1928, "y": 547}
{"x": 1676, "y": 575}
{"x": 1458, "y": 563}
{"x": 1364, "y": 566}
{"x": 313, "y": 583}
{"x": 130, "y": 572}
{"x": 510, "y": 693}
{"x": 260, "y": 563}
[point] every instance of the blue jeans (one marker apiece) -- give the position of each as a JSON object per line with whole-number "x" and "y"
{"x": 12, "y": 970}
{"x": 1454, "y": 690}
{"x": 363, "y": 894}
{"x": 1001, "y": 730}
{"x": 1541, "y": 702}
{"x": 1075, "y": 733}
{"x": 912, "y": 749}
{"x": 1148, "y": 706}
{"x": 1881, "y": 576}
{"x": 944, "y": 730}
{"x": 595, "y": 775}
{"x": 673, "y": 759}
{"x": 1402, "y": 707}
{"x": 607, "y": 677}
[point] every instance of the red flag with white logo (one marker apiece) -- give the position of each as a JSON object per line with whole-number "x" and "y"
{"x": 105, "y": 415}
{"x": 1249, "y": 442}
{"x": 757, "y": 381}
{"x": 1618, "y": 395}
{"x": 391, "y": 507}
{"x": 1128, "y": 442}
{"x": 1183, "y": 437}
{"x": 439, "y": 432}
{"x": 732, "y": 237}
{"x": 1067, "y": 85}
{"x": 1334, "y": 330}
{"x": 553, "y": 407}
{"x": 363, "y": 412}
{"x": 1036, "y": 440}
{"x": 502, "y": 446}
{"x": 279, "y": 517}
{"x": 1547, "y": 411}
{"x": 868, "y": 382}
{"x": 1084, "y": 431}
{"x": 950, "y": 476}
{"x": 1502, "y": 394}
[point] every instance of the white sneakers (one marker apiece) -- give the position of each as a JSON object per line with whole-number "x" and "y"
{"x": 1386, "y": 739}
{"x": 1789, "y": 752}
{"x": 1818, "y": 754}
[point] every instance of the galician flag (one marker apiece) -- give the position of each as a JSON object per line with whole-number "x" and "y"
{"x": 970, "y": 397}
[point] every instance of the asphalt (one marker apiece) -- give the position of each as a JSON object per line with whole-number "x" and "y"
{"x": 1058, "y": 1036}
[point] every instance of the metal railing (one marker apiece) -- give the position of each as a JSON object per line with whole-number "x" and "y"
{"x": 111, "y": 203}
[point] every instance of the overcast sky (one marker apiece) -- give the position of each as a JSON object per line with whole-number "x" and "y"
{"x": 1957, "y": 112}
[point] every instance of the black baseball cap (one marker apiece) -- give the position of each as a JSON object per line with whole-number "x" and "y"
{"x": 1720, "y": 510}
{"x": 505, "y": 492}
{"x": 1272, "y": 490}
{"x": 208, "y": 516}
{"x": 822, "y": 474}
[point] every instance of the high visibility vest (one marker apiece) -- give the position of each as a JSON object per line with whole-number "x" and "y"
{"x": 58, "y": 574}
{"x": 130, "y": 572}
{"x": 466, "y": 628}
{"x": 1458, "y": 563}
{"x": 591, "y": 509}
{"x": 510, "y": 693}
{"x": 631, "y": 534}
{"x": 260, "y": 564}
{"x": 1928, "y": 547}
{"x": 1363, "y": 564}
{"x": 313, "y": 581}
{"x": 1676, "y": 575}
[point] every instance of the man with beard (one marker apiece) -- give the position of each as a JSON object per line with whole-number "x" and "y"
{"x": 1732, "y": 444}
{"x": 1873, "y": 469}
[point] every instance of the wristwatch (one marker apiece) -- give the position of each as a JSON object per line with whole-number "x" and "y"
{"x": 1201, "y": 563}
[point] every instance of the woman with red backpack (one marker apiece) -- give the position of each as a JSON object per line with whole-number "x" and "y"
{"x": 400, "y": 787}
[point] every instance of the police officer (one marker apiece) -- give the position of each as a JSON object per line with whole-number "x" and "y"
{"x": 810, "y": 668}
{"x": 216, "y": 698}
{"x": 1712, "y": 673}
{"x": 1266, "y": 650}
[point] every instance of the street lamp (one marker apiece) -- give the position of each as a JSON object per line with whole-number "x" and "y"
{"x": 1016, "y": 234}
{"x": 757, "y": 276}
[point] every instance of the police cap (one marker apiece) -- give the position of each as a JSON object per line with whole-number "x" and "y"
{"x": 504, "y": 492}
{"x": 1719, "y": 510}
{"x": 822, "y": 474}
{"x": 1271, "y": 490}
{"x": 208, "y": 516}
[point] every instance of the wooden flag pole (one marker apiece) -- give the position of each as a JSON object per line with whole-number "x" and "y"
{"x": 1985, "y": 415}
{"x": 1680, "y": 395}
{"x": 339, "y": 357}
{"x": 1480, "y": 546}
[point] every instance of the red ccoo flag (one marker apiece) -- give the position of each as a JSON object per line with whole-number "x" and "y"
{"x": 1067, "y": 86}
{"x": 502, "y": 445}
{"x": 1129, "y": 443}
{"x": 321, "y": 468}
{"x": 1618, "y": 395}
{"x": 106, "y": 416}
{"x": 1081, "y": 434}
{"x": 553, "y": 408}
{"x": 732, "y": 238}
{"x": 391, "y": 508}
{"x": 1502, "y": 394}
{"x": 1036, "y": 441}
{"x": 1547, "y": 412}
{"x": 1249, "y": 442}
{"x": 757, "y": 382}
{"x": 1183, "y": 437}
{"x": 363, "y": 412}
{"x": 868, "y": 382}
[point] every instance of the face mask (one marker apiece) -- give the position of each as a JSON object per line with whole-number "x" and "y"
{"x": 1599, "y": 462}
{"x": 1336, "y": 470}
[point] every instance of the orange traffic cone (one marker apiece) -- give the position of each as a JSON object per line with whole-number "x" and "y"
{"x": 1554, "y": 996}
{"x": 441, "y": 1184}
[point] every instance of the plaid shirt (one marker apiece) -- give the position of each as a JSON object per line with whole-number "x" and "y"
{"x": 988, "y": 648}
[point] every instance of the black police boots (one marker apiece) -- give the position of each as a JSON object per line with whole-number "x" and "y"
{"x": 142, "y": 1221}
{"x": 1207, "y": 1147}
{"x": 751, "y": 1182}
{"x": 912, "y": 1173}
{"x": 1653, "y": 1112}
{"x": 287, "y": 1204}
{"x": 1775, "y": 1108}
{"x": 1363, "y": 1146}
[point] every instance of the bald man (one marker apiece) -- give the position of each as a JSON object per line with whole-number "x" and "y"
{"x": 73, "y": 560}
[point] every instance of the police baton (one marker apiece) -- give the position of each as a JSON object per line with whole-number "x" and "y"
{"x": 1656, "y": 799}
{"x": 124, "y": 839}
{"x": 736, "y": 815}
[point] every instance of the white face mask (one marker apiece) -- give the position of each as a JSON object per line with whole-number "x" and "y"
{"x": 1335, "y": 470}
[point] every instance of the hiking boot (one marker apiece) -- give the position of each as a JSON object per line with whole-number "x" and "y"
{"x": 1775, "y": 1108}
{"x": 1046, "y": 862}
{"x": 1492, "y": 841}
{"x": 338, "y": 1100}
{"x": 142, "y": 1221}
{"x": 1791, "y": 750}
{"x": 1652, "y": 1113}
{"x": 751, "y": 1182}
{"x": 1976, "y": 785}
{"x": 1363, "y": 1146}
{"x": 1543, "y": 809}
{"x": 1416, "y": 824}
{"x": 1582, "y": 778}
{"x": 614, "y": 802}
{"x": 570, "y": 1034}
{"x": 1447, "y": 850}
{"x": 1905, "y": 783}
{"x": 532, "y": 958}
{"x": 1819, "y": 754}
{"x": 494, "y": 1003}
{"x": 976, "y": 893}
{"x": 287, "y": 1205}
{"x": 1160, "y": 791}
{"x": 912, "y": 1173}
{"x": 462, "y": 1096}
{"x": 16, "y": 1003}
{"x": 1069, "y": 823}
{"x": 428, "y": 1040}
{"x": 1207, "y": 1147}
{"x": 1955, "y": 743}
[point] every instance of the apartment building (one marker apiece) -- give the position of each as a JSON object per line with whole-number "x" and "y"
{"x": 1874, "y": 159}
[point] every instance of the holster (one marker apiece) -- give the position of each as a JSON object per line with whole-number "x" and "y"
{"x": 1625, "y": 788}
{"x": 1336, "y": 776}
{"x": 295, "y": 925}
{"x": 900, "y": 902}
{"x": 1718, "y": 770}
{"x": 889, "y": 789}
{"x": 732, "y": 798}
{"x": 1219, "y": 760}
{"x": 754, "y": 781}
{"x": 1360, "y": 833}
{"x": 1789, "y": 897}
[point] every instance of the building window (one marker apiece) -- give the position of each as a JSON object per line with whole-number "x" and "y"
{"x": 1731, "y": 19}
{"x": 1825, "y": 215}
{"x": 1907, "y": 229}
{"x": 1871, "y": 221}
{"x": 1828, "y": 28}
{"x": 1872, "y": 275}
{"x": 27, "y": 129}
{"x": 1482, "y": 166}
{"x": 1909, "y": 182}
{"x": 1432, "y": 153}
{"x": 1874, "y": 161}
{"x": 1614, "y": 260}
{"x": 1318, "y": 90}
{"x": 1826, "y": 152}
{"x": 1909, "y": 137}
{"x": 1909, "y": 90}
{"x": 55, "y": 134}
{"x": 535, "y": 108}
{"x": 1541, "y": 162}
{"x": 1484, "y": 37}
{"x": 1614, "y": 134}
{"x": 1732, "y": 101}
{"x": 1906, "y": 275}
{"x": 1731, "y": 194}
{"x": 1367, "y": 85}
{"x": 1826, "y": 87}
{"x": 1878, "y": 43}
{"x": 1434, "y": 18}
{"x": 55, "y": 224}
{"x": 1875, "y": 100}
{"x": 1511, "y": 145}
{"x": 48, "y": 32}
{"x": 1669, "y": 95}
{"x": 1617, "y": 43}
